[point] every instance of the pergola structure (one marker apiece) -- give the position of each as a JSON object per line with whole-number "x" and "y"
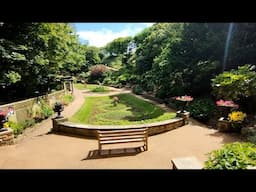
{"x": 68, "y": 84}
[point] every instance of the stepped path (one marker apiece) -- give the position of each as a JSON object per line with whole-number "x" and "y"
{"x": 37, "y": 148}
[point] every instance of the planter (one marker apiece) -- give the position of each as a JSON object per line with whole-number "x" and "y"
{"x": 224, "y": 125}
{"x": 58, "y": 108}
{"x": 3, "y": 119}
{"x": 185, "y": 115}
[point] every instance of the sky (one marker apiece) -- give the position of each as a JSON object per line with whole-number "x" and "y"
{"x": 99, "y": 34}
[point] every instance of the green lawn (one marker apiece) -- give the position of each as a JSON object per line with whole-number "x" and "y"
{"x": 92, "y": 87}
{"x": 130, "y": 110}
{"x": 80, "y": 86}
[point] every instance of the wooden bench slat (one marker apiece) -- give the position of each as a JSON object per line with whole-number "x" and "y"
{"x": 121, "y": 134}
{"x": 121, "y": 137}
{"x": 122, "y": 131}
{"x": 122, "y": 141}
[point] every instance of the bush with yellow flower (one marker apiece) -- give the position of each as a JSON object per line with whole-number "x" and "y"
{"x": 237, "y": 118}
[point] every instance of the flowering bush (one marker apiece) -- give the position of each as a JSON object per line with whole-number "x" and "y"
{"x": 3, "y": 119}
{"x": 237, "y": 116}
{"x": 226, "y": 103}
{"x": 184, "y": 98}
{"x": 2, "y": 114}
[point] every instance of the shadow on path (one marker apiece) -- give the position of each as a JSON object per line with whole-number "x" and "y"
{"x": 227, "y": 137}
{"x": 107, "y": 153}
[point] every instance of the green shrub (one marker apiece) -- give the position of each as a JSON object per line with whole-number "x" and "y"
{"x": 252, "y": 139}
{"x": 232, "y": 156}
{"x": 19, "y": 127}
{"x": 37, "y": 111}
{"x": 29, "y": 123}
{"x": 137, "y": 90}
{"x": 46, "y": 109}
{"x": 235, "y": 84}
{"x": 99, "y": 89}
{"x": 202, "y": 109}
{"x": 16, "y": 127}
{"x": 41, "y": 110}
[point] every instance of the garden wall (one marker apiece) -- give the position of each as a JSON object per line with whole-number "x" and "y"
{"x": 62, "y": 125}
{"x": 23, "y": 109}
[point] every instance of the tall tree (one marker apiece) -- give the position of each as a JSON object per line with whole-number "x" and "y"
{"x": 31, "y": 52}
{"x": 118, "y": 46}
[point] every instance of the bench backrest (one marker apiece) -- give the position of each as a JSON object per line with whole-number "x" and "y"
{"x": 122, "y": 134}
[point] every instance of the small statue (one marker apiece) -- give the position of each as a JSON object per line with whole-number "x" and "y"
{"x": 115, "y": 101}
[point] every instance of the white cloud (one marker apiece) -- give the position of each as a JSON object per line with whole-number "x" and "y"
{"x": 148, "y": 24}
{"x": 101, "y": 37}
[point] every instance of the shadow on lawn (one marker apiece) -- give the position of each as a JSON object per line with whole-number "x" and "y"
{"x": 107, "y": 153}
{"x": 139, "y": 113}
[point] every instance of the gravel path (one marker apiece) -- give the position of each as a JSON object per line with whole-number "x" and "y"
{"x": 37, "y": 149}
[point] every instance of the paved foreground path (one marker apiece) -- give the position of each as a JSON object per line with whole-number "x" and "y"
{"x": 37, "y": 149}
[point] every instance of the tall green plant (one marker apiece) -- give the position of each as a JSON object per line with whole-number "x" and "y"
{"x": 232, "y": 156}
{"x": 235, "y": 84}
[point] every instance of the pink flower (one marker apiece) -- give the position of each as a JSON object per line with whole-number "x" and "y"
{"x": 226, "y": 103}
{"x": 184, "y": 98}
{"x": 2, "y": 113}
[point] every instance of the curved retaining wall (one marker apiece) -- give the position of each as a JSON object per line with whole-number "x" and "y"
{"x": 62, "y": 125}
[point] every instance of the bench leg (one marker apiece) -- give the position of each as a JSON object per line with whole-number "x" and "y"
{"x": 146, "y": 146}
{"x": 99, "y": 151}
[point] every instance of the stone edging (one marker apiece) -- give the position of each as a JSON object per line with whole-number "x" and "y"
{"x": 6, "y": 137}
{"x": 62, "y": 125}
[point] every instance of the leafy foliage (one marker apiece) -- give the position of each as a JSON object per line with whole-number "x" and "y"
{"x": 235, "y": 84}
{"x": 232, "y": 156}
{"x": 202, "y": 109}
{"x": 32, "y": 52}
{"x": 118, "y": 46}
{"x": 18, "y": 128}
{"x": 137, "y": 90}
{"x": 92, "y": 57}
{"x": 41, "y": 110}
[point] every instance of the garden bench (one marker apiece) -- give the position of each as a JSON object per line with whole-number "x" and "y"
{"x": 122, "y": 136}
{"x": 186, "y": 163}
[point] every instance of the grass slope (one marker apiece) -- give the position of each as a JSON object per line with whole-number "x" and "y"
{"x": 130, "y": 110}
{"x": 92, "y": 87}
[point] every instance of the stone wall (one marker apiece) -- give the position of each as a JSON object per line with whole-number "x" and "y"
{"x": 6, "y": 137}
{"x": 22, "y": 109}
{"x": 62, "y": 125}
